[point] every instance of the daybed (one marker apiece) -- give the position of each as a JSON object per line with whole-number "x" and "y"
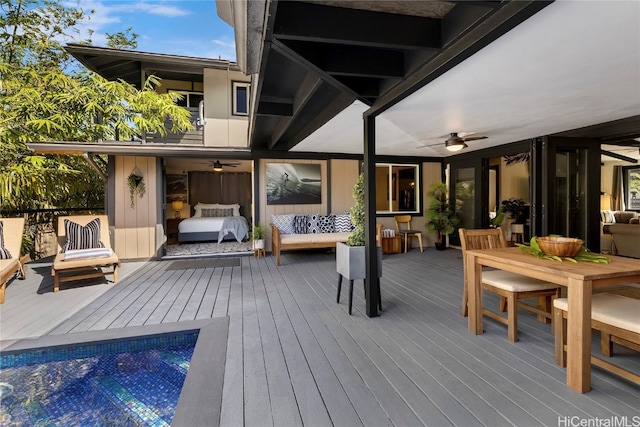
{"x": 11, "y": 263}
{"x": 213, "y": 222}
{"x": 308, "y": 232}
{"x": 84, "y": 251}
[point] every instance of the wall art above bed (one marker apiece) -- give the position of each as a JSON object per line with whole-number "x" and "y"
{"x": 293, "y": 184}
{"x": 177, "y": 188}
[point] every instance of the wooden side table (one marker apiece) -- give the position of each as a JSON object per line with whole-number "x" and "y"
{"x": 172, "y": 230}
{"x": 392, "y": 245}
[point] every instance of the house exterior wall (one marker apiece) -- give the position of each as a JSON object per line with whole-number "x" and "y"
{"x": 514, "y": 181}
{"x": 223, "y": 129}
{"x": 135, "y": 228}
{"x": 344, "y": 174}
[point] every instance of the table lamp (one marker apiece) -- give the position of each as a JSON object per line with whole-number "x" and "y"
{"x": 177, "y": 206}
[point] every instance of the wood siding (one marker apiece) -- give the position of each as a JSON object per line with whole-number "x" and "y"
{"x": 135, "y": 228}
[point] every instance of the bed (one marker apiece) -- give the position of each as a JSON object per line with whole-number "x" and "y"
{"x": 213, "y": 222}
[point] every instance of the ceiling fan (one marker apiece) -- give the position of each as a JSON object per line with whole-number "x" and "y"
{"x": 217, "y": 166}
{"x": 456, "y": 142}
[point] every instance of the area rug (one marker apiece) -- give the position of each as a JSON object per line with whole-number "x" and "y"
{"x": 192, "y": 264}
{"x": 208, "y": 248}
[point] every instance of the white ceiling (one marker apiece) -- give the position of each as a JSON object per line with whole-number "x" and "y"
{"x": 574, "y": 64}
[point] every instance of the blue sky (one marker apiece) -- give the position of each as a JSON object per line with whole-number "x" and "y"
{"x": 181, "y": 27}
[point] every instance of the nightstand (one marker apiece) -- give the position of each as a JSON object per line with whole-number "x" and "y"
{"x": 172, "y": 230}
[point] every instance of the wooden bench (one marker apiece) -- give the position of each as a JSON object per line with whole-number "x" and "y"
{"x": 281, "y": 241}
{"x": 617, "y": 318}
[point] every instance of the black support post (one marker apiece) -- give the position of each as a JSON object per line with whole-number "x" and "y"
{"x": 372, "y": 291}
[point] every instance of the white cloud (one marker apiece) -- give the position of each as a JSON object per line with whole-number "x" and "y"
{"x": 157, "y": 9}
{"x": 107, "y": 13}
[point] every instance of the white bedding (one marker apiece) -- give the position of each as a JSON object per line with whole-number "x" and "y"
{"x": 200, "y": 224}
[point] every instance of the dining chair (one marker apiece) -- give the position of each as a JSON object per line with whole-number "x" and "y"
{"x": 510, "y": 287}
{"x": 404, "y": 229}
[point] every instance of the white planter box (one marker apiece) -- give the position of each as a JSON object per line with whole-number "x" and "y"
{"x": 258, "y": 244}
{"x": 350, "y": 261}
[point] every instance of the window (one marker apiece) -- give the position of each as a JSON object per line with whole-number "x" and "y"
{"x": 189, "y": 99}
{"x": 397, "y": 188}
{"x": 632, "y": 187}
{"x": 240, "y": 98}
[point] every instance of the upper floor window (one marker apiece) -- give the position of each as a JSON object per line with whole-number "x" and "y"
{"x": 189, "y": 98}
{"x": 240, "y": 98}
{"x": 397, "y": 188}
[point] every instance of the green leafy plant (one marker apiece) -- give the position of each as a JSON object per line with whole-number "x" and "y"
{"x": 357, "y": 214}
{"x": 583, "y": 255}
{"x": 514, "y": 207}
{"x": 136, "y": 187}
{"x": 495, "y": 222}
{"x": 257, "y": 232}
{"x": 441, "y": 218}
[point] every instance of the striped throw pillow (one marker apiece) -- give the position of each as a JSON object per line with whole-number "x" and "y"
{"x": 4, "y": 252}
{"x": 82, "y": 237}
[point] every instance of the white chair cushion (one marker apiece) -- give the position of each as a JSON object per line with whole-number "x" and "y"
{"x": 314, "y": 238}
{"x": 513, "y": 282}
{"x": 612, "y": 309}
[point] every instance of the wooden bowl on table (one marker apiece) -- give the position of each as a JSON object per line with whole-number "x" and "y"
{"x": 560, "y": 246}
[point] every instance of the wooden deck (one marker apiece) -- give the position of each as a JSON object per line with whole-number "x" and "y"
{"x": 295, "y": 357}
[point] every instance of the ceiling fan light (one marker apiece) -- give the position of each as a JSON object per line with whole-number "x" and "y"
{"x": 217, "y": 166}
{"x": 455, "y": 144}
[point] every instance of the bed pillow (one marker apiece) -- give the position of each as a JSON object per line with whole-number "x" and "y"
{"x": 300, "y": 224}
{"x": 4, "y": 252}
{"x": 82, "y": 237}
{"x": 343, "y": 224}
{"x": 216, "y": 212}
{"x": 198, "y": 208}
{"x": 284, "y": 223}
{"x": 235, "y": 207}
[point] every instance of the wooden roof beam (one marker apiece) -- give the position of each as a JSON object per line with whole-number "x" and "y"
{"x": 326, "y": 24}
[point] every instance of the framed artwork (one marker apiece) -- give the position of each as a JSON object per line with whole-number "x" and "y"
{"x": 293, "y": 184}
{"x": 177, "y": 188}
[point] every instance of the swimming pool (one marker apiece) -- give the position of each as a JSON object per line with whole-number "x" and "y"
{"x": 107, "y": 377}
{"x": 132, "y": 382}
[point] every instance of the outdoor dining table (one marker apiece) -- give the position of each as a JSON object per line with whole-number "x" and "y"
{"x": 579, "y": 279}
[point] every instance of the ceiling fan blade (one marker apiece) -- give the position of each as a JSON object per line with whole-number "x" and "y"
{"x": 473, "y": 138}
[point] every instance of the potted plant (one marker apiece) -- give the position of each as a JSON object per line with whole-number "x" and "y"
{"x": 135, "y": 181}
{"x": 514, "y": 208}
{"x": 257, "y": 236}
{"x": 350, "y": 257}
{"x": 441, "y": 218}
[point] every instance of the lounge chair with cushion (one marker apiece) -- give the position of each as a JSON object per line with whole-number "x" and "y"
{"x": 84, "y": 249}
{"x": 11, "y": 263}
